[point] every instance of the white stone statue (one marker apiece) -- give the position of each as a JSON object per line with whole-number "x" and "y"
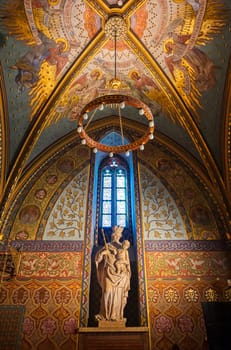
{"x": 114, "y": 274}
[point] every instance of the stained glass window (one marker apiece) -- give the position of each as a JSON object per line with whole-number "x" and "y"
{"x": 107, "y": 207}
{"x": 121, "y": 195}
{"x": 114, "y": 195}
{"x": 121, "y": 220}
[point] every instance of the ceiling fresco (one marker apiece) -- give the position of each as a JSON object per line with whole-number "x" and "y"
{"x": 58, "y": 33}
{"x": 58, "y": 55}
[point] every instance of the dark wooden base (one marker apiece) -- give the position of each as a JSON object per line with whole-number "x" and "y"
{"x": 127, "y": 338}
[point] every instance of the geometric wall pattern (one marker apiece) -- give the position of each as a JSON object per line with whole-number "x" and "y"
{"x": 11, "y": 319}
{"x": 52, "y": 309}
{"x": 175, "y": 310}
{"x": 178, "y": 282}
{"x": 52, "y": 299}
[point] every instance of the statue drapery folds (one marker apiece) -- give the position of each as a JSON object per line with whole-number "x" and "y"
{"x": 113, "y": 273}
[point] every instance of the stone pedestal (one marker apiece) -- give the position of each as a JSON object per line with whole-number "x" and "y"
{"x": 109, "y": 338}
{"x": 112, "y": 324}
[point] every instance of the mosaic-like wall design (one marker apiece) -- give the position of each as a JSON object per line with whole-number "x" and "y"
{"x": 175, "y": 310}
{"x": 179, "y": 278}
{"x": 52, "y": 311}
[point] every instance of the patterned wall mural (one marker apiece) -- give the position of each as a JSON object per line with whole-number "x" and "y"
{"x": 52, "y": 310}
{"x": 175, "y": 310}
{"x": 56, "y": 56}
{"x": 191, "y": 216}
{"x": 161, "y": 217}
{"x": 55, "y": 206}
{"x": 67, "y": 218}
{"x": 186, "y": 261}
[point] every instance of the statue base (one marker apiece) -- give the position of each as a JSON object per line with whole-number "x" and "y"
{"x": 113, "y": 338}
{"x": 112, "y": 324}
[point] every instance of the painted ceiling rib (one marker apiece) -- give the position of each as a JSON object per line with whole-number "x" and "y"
{"x": 4, "y": 134}
{"x": 225, "y": 136}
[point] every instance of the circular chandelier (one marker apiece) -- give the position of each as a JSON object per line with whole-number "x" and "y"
{"x": 115, "y": 26}
{"x": 118, "y": 102}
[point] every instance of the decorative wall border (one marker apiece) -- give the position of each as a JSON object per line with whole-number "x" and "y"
{"x": 88, "y": 243}
{"x": 144, "y": 319}
{"x": 44, "y": 246}
{"x": 184, "y": 245}
{"x": 150, "y": 246}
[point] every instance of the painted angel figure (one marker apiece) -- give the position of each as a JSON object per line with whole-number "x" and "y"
{"x": 202, "y": 69}
{"x": 28, "y": 66}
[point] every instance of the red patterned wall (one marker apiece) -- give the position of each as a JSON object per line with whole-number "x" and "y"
{"x": 49, "y": 285}
{"x": 176, "y": 289}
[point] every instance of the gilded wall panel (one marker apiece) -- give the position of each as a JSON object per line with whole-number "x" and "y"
{"x": 187, "y": 264}
{"x": 50, "y": 265}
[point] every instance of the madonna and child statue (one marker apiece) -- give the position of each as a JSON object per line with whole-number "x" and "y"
{"x": 113, "y": 274}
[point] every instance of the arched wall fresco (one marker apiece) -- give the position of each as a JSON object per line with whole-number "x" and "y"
{"x": 175, "y": 204}
{"x": 185, "y": 264}
{"x": 185, "y": 257}
{"x": 67, "y": 218}
{"x": 161, "y": 217}
{"x": 54, "y": 200}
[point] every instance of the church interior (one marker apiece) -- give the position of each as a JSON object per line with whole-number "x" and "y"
{"x": 115, "y": 112}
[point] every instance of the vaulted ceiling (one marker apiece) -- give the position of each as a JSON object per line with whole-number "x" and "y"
{"x": 58, "y": 55}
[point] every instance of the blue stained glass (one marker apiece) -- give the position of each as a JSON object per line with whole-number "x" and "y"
{"x": 107, "y": 194}
{"x": 121, "y": 194}
{"x": 114, "y": 194}
{"x": 121, "y": 220}
{"x": 106, "y": 220}
{"x": 107, "y": 181}
{"x": 121, "y": 208}
{"x": 106, "y": 207}
{"x": 120, "y": 181}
